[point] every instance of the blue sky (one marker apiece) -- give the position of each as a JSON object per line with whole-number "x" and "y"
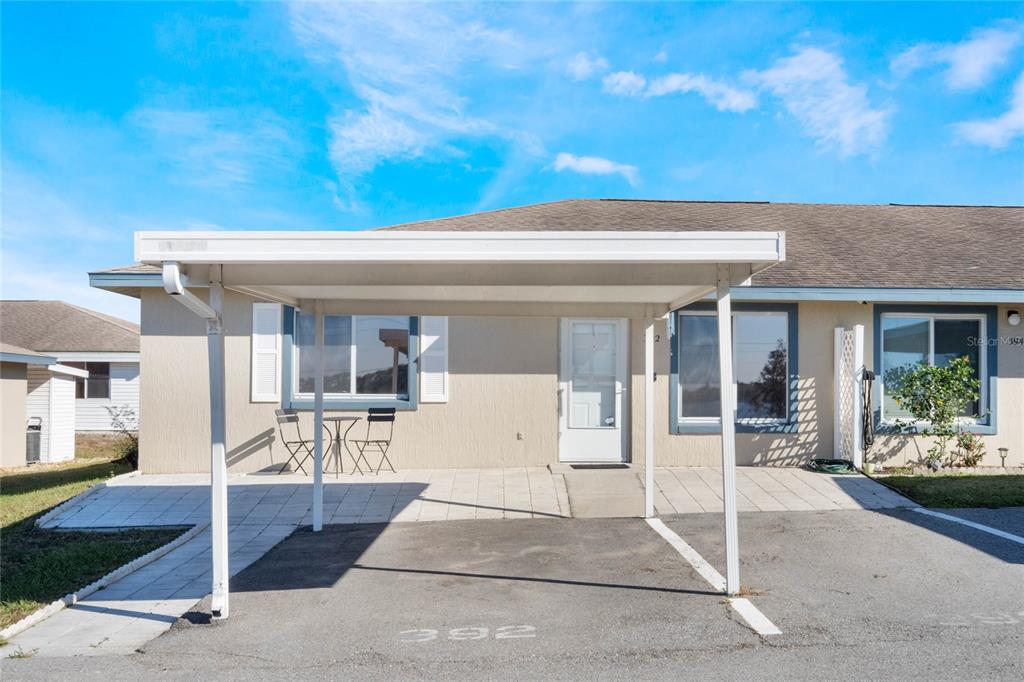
{"x": 122, "y": 117}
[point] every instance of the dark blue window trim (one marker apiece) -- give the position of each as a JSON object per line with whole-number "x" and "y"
{"x": 288, "y": 400}
{"x": 988, "y": 425}
{"x": 677, "y": 425}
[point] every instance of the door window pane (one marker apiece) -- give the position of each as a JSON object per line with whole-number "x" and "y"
{"x": 699, "y": 387}
{"x": 382, "y": 355}
{"x": 592, "y": 384}
{"x": 761, "y": 366}
{"x": 905, "y": 345}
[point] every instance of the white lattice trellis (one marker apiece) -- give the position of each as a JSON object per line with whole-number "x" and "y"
{"x": 849, "y": 365}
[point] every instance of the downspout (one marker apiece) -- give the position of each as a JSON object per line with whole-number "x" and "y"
{"x": 174, "y": 285}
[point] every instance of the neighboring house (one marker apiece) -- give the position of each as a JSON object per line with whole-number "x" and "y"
{"x": 88, "y": 362}
{"x": 538, "y": 382}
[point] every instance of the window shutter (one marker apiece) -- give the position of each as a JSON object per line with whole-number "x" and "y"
{"x": 434, "y": 359}
{"x": 266, "y": 353}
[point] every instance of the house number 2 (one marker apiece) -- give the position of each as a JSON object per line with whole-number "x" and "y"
{"x": 468, "y": 634}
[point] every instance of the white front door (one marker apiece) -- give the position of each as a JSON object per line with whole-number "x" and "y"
{"x": 593, "y": 412}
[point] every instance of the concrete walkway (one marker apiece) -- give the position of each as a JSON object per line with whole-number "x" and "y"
{"x": 125, "y": 615}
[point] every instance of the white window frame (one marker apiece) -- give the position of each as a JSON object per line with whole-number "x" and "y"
{"x": 716, "y": 421}
{"x": 982, "y": 321}
{"x": 352, "y": 395}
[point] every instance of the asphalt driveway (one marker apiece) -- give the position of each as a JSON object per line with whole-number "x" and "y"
{"x": 857, "y": 594}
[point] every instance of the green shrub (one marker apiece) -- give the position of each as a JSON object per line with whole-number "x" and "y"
{"x": 939, "y": 397}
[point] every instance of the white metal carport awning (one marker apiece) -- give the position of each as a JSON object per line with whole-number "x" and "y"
{"x": 516, "y": 271}
{"x": 637, "y": 274}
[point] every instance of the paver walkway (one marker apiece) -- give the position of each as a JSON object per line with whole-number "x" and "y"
{"x": 427, "y": 495}
{"x": 695, "y": 490}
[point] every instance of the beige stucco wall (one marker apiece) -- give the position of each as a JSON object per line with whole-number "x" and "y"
{"x": 13, "y": 389}
{"x": 503, "y": 405}
{"x": 817, "y": 321}
{"x": 502, "y": 411}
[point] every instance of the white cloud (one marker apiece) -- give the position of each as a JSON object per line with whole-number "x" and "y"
{"x": 408, "y": 65}
{"x": 662, "y": 56}
{"x": 217, "y": 148}
{"x": 583, "y": 66}
{"x": 969, "y": 63}
{"x": 999, "y": 131}
{"x": 623, "y": 83}
{"x": 595, "y": 165}
{"x": 814, "y": 87}
{"x": 723, "y": 97}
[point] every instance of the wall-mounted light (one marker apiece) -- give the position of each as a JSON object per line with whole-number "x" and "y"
{"x": 1013, "y": 317}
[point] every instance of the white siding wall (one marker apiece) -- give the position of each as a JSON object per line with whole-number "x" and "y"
{"x": 62, "y": 413}
{"x": 92, "y": 414}
{"x": 38, "y": 403}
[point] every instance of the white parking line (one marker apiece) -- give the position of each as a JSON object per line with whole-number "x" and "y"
{"x": 750, "y": 613}
{"x": 754, "y": 617}
{"x": 977, "y": 526}
{"x": 706, "y": 570}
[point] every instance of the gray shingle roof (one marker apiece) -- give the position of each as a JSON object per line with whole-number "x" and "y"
{"x": 827, "y": 245}
{"x": 18, "y": 350}
{"x": 54, "y": 326}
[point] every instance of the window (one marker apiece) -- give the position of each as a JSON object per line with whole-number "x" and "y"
{"x": 761, "y": 364}
{"x": 912, "y": 339}
{"x": 364, "y": 356}
{"x": 98, "y": 383}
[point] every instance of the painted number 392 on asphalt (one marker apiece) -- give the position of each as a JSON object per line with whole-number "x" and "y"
{"x": 468, "y": 634}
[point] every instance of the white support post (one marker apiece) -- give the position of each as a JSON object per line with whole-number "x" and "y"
{"x": 837, "y": 401}
{"x": 858, "y": 396}
{"x": 728, "y": 410}
{"x": 318, "y": 423}
{"x": 649, "y": 418}
{"x": 218, "y": 451}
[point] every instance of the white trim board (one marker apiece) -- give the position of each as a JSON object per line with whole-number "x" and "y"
{"x": 96, "y": 356}
{"x": 72, "y": 371}
{"x": 459, "y": 247}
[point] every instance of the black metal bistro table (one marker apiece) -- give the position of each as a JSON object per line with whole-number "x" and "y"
{"x": 341, "y": 439}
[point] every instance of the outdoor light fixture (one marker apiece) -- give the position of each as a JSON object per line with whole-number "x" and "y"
{"x": 1013, "y": 317}
{"x": 1002, "y": 455}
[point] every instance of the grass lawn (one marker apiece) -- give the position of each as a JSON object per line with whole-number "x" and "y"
{"x": 38, "y": 566}
{"x": 961, "y": 490}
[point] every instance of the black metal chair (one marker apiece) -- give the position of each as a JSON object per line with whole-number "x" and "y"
{"x": 380, "y": 427}
{"x": 299, "y": 449}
